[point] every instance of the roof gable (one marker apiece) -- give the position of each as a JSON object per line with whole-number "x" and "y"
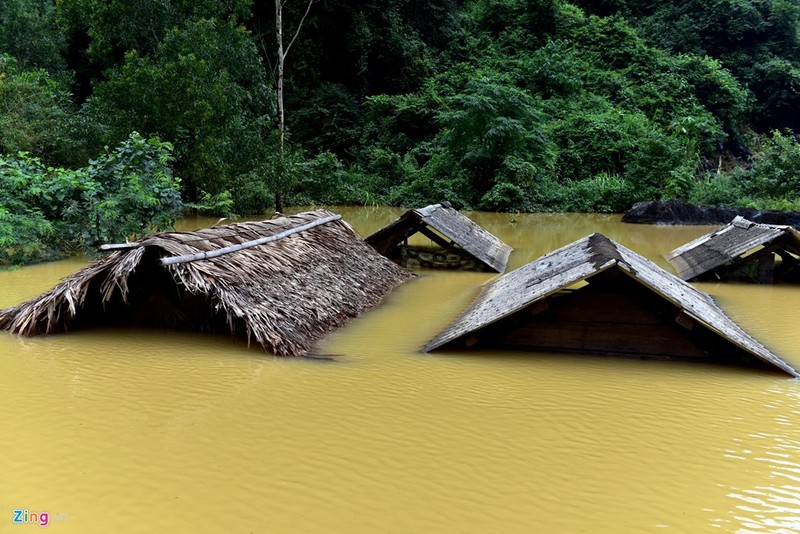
{"x": 452, "y": 224}
{"x": 583, "y": 260}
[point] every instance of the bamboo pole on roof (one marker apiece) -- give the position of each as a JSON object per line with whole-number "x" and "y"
{"x": 118, "y": 246}
{"x": 248, "y": 244}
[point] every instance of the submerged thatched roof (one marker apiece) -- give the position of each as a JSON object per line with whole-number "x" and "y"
{"x": 730, "y": 244}
{"x": 455, "y": 230}
{"x": 599, "y": 261}
{"x": 285, "y": 293}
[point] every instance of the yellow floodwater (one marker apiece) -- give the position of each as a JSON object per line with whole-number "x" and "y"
{"x": 146, "y": 431}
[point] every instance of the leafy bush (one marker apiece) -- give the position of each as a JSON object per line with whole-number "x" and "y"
{"x": 36, "y": 115}
{"x": 30, "y": 32}
{"x": 771, "y": 182}
{"x": 776, "y": 169}
{"x": 325, "y": 180}
{"x": 124, "y": 193}
{"x": 219, "y": 204}
{"x": 25, "y": 233}
{"x": 604, "y": 193}
{"x": 505, "y": 196}
{"x": 440, "y": 178}
{"x": 719, "y": 190}
{"x": 251, "y": 193}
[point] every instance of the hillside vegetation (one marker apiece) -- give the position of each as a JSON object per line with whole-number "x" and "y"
{"x": 493, "y": 104}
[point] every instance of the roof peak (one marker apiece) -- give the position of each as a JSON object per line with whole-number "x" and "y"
{"x": 603, "y": 251}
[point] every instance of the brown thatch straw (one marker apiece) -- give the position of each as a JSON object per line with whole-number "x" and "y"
{"x": 285, "y": 293}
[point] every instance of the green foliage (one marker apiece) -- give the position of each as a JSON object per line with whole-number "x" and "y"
{"x": 204, "y": 91}
{"x": 36, "y": 115}
{"x": 777, "y": 81}
{"x": 441, "y": 178}
{"x": 606, "y": 193}
{"x": 557, "y": 69}
{"x": 505, "y": 196}
{"x": 513, "y": 22}
{"x": 488, "y": 121}
{"x": 492, "y": 104}
{"x": 325, "y": 179}
{"x": 719, "y": 190}
{"x": 253, "y": 193}
{"x": 119, "y": 26}
{"x": 386, "y": 169}
{"x": 208, "y": 204}
{"x": 25, "y": 232}
{"x": 124, "y": 193}
{"x": 771, "y": 182}
{"x": 595, "y": 104}
{"x": 135, "y": 194}
{"x": 775, "y": 172}
{"x": 399, "y": 123}
{"x": 757, "y": 40}
{"x": 717, "y": 90}
{"x": 29, "y": 32}
{"x": 328, "y": 120}
{"x": 24, "y": 238}
{"x": 490, "y": 129}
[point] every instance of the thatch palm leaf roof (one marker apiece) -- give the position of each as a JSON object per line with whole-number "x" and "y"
{"x": 286, "y": 294}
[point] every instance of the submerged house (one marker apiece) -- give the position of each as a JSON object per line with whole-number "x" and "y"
{"x": 284, "y": 282}
{"x": 464, "y": 244}
{"x": 595, "y": 296}
{"x": 741, "y": 250}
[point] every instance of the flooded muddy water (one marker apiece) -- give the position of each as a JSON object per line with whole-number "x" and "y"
{"x": 154, "y": 431}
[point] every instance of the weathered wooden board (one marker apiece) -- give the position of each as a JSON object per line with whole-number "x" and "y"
{"x": 622, "y": 339}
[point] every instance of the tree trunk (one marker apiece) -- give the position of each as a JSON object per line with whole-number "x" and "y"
{"x": 281, "y": 58}
{"x": 279, "y": 96}
{"x": 280, "y": 182}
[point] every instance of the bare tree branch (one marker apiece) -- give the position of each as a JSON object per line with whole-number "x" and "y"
{"x": 299, "y": 25}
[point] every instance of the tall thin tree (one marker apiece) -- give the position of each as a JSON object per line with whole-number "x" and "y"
{"x": 282, "y": 53}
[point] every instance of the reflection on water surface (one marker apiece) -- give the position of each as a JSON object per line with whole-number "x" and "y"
{"x": 142, "y": 431}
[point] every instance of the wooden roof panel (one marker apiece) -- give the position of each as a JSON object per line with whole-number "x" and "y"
{"x": 721, "y": 246}
{"x": 581, "y": 260}
{"x": 452, "y": 224}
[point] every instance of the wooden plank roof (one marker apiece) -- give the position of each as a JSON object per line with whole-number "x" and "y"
{"x": 579, "y": 261}
{"x": 731, "y": 241}
{"x": 450, "y": 223}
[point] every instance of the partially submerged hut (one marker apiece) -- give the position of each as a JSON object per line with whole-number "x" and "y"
{"x": 741, "y": 250}
{"x": 595, "y": 296}
{"x": 464, "y": 244}
{"x": 284, "y": 282}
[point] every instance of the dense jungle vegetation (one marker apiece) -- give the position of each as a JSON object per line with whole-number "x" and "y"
{"x": 116, "y": 115}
